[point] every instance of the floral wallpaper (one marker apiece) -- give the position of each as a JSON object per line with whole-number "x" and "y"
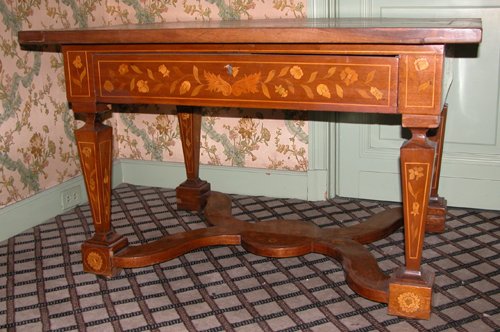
{"x": 37, "y": 145}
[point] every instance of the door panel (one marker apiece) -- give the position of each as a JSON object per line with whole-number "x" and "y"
{"x": 367, "y": 153}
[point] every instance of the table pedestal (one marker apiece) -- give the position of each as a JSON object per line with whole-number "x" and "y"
{"x": 407, "y": 290}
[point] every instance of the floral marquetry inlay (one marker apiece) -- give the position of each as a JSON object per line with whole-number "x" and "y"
{"x": 87, "y": 158}
{"x": 78, "y": 74}
{"x": 417, "y": 175}
{"x": 409, "y": 302}
{"x": 419, "y": 89}
{"x": 421, "y": 64}
{"x": 95, "y": 261}
{"x": 344, "y": 80}
{"x": 96, "y": 160}
{"x": 185, "y": 127}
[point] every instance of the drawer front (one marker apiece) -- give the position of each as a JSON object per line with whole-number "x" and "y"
{"x": 334, "y": 83}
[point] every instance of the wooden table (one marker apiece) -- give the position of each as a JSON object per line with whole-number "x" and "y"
{"x": 354, "y": 65}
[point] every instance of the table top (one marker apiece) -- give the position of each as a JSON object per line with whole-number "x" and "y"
{"x": 284, "y": 31}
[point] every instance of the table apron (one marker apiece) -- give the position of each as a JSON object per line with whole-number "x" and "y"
{"x": 305, "y": 82}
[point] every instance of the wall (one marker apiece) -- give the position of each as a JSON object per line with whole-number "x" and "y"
{"x": 37, "y": 147}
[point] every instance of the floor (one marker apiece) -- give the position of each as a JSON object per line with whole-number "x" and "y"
{"x": 43, "y": 287}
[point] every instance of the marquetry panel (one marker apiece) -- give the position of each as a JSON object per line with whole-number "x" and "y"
{"x": 419, "y": 91}
{"x": 416, "y": 177}
{"x": 77, "y": 74}
{"x": 95, "y": 158}
{"x": 298, "y": 82}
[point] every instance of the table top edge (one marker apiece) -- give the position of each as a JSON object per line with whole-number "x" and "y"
{"x": 282, "y": 31}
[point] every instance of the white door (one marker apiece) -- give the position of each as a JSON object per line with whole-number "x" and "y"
{"x": 367, "y": 154}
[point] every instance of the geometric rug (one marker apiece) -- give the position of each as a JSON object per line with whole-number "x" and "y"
{"x": 224, "y": 288}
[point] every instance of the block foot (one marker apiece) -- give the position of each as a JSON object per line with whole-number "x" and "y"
{"x": 411, "y": 296}
{"x": 192, "y": 195}
{"x": 97, "y": 254}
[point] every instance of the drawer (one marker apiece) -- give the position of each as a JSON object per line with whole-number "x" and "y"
{"x": 308, "y": 82}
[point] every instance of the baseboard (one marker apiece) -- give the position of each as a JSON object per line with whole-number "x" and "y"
{"x": 234, "y": 180}
{"x": 470, "y": 193}
{"x": 39, "y": 208}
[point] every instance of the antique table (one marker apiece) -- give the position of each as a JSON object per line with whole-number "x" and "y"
{"x": 355, "y": 65}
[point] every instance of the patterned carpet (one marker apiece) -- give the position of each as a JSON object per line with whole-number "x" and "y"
{"x": 43, "y": 288}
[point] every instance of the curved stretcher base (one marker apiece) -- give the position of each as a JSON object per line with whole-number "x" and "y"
{"x": 278, "y": 238}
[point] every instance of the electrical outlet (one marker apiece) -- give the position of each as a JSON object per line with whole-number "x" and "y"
{"x": 71, "y": 197}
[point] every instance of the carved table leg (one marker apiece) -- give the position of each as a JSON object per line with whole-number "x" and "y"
{"x": 436, "y": 215}
{"x": 94, "y": 142}
{"x": 192, "y": 194}
{"x": 410, "y": 288}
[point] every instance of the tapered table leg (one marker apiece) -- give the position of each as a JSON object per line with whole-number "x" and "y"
{"x": 410, "y": 288}
{"x": 94, "y": 142}
{"x": 192, "y": 194}
{"x": 436, "y": 214}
